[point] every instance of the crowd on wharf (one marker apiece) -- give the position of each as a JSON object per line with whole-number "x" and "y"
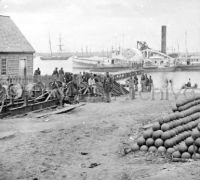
{"x": 75, "y": 82}
{"x": 93, "y": 81}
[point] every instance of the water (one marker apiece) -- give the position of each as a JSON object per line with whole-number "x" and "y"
{"x": 179, "y": 78}
{"x": 47, "y": 66}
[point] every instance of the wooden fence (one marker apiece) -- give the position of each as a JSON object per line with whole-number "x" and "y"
{"x": 30, "y": 79}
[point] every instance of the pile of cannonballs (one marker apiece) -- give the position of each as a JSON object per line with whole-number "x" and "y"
{"x": 177, "y": 134}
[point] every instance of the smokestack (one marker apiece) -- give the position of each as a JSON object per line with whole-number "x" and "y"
{"x": 163, "y": 40}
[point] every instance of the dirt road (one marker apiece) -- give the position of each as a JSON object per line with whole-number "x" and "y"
{"x": 87, "y": 144}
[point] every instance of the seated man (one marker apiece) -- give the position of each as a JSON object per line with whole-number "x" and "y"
{"x": 189, "y": 83}
{"x": 92, "y": 84}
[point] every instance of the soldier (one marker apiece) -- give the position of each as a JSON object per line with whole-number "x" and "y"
{"x": 131, "y": 88}
{"x": 150, "y": 83}
{"x": 107, "y": 86}
{"x": 37, "y": 75}
{"x": 92, "y": 85}
{"x": 61, "y": 74}
{"x": 55, "y": 74}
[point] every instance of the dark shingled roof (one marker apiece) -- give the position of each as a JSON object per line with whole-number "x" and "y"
{"x": 11, "y": 38}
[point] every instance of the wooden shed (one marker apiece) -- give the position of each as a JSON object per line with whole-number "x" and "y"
{"x": 15, "y": 50}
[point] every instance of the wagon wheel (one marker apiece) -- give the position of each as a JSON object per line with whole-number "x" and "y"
{"x": 42, "y": 85}
{"x": 15, "y": 91}
{"x": 2, "y": 93}
{"x": 38, "y": 89}
{"x": 55, "y": 84}
{"x": 85, "y": 88}
{"x": 2, "y": 96}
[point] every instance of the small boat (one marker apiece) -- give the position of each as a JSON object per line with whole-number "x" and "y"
{"x": 186, "y": 86}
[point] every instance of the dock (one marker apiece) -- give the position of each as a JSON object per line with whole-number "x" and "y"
{"x": 124, "y": 74}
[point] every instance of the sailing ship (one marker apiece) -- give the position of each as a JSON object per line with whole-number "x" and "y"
{"x": 56, "y": 56}
{"x": 188, "y": 62}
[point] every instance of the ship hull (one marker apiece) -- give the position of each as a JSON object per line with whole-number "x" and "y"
{"x": 81, "y": 65}
{"x": 195, "y": 67}
{"x": 55, "y": 58}
{"x": 157, "y": 69}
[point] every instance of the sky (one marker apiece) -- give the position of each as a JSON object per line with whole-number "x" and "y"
{"x": 101, "y": 24}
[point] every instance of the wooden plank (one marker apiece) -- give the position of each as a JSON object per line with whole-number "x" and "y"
{"x": 59, "y": 111}
{"x": 30, "y": 107}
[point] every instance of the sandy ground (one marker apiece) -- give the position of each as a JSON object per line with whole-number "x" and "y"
{"x": 87, "y": 144}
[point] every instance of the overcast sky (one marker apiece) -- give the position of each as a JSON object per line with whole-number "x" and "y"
{"x": 99, "y": 24}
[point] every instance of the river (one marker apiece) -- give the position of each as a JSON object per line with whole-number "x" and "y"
{"x": 178, "y": 78}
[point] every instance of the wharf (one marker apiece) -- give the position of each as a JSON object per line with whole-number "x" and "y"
{"x": 125, "y": 73}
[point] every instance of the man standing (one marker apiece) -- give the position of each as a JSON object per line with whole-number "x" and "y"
{"x": 131, "y": 88}
{"x": 92, "y": 85}
{"x": 61, "y": 74}
{"x": 136, "y": 82}
{"x": 150, "y": 83}
{"x": 37, "y": 75}
{"x": 55, "y": 74}
{"x": 142, "y": 82}
{"x": 107, "y": 86}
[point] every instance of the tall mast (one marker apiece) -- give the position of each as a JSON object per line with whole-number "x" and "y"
{"x": 178, "y": 46}
{"x": 60, "y": 43}
{"x": 50, "y": 44}
{"x": 186, "y": 50}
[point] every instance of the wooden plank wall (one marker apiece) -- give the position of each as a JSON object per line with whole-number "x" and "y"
{"x": 13, "y": 64}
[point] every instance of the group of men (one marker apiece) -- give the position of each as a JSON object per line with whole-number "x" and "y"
{"x": 146, "y": 83}
{"x": 58, "y": 74}
{"x": 92, "y": 80}
{"x": 75, "y": 81}
{"x": 107, "y": 82}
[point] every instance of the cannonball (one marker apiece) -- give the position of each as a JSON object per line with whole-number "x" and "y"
{"x": 158, "y": 142}
{"x": 135, "y": 147}
{"x": 143, "y": 148}
{"x": 161, "y": 149}
{"x": 141, "y": 141}
{"x": 157, "y": 134}
{"x": 195, "y": 133}
{"x": 189, "y": 141}
{"x": 176, "y": 154}
{"x": 147, "y": 133}
{"x": 197, "y": 142}
{"x": 183, "y": 147}
{"x": 149, "y": 142}
{"x": 170, "y": 150}
{"x": 152, "y": 149}
{"x": 156, "y": 126}
{"x": 197, "y": 155}
{"x": 165, "y": 127}
{"x": 192, "y": 148}
{"x": 186, "y": 155}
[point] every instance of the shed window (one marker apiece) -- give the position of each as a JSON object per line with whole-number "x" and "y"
{"x": 3, "y": 67}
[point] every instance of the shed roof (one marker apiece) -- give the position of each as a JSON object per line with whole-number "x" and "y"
{"x": 11, "y": 38}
